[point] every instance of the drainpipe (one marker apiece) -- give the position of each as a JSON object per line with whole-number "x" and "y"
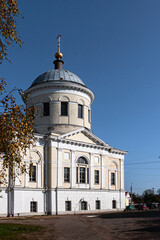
{"x": 10, "y": 194}
{"x": 46, "y": 175}
{"x": 56, "y": 200}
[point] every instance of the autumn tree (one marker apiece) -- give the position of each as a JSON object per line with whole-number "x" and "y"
{"x": 8, "y": 14}
{"x": 16, "y": 121}
{"x": 16, "y": 131}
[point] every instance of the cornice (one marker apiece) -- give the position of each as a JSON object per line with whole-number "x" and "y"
{"x": 88, "y": 145}
{"x": 61, "y": 85}
{"x": 61, "y": 139}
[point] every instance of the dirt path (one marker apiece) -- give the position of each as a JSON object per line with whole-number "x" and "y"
{"x": 111, "y": 226}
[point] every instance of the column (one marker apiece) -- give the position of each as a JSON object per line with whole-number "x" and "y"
{"x": 91, "y": 183}
{"x": 109, "y": 177}
{"x": 39, "y": 175}
{"x": 116, "y": 176}
{"x": 59, "y": 167}
{"x": 17, "y": 179}
{"x": 27, "y": 175}
{"x": 102, "y": 172}
{"x": 122, "y": 173}
{"x": 73, "y": 170}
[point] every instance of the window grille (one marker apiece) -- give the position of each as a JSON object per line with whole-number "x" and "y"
{"x": 82, "y": 175}
{"x": 32, "y": 174}
{"x": 33, "y": 206}
{"x": 66, "y": 174}
{"x": 96, "y": 176}
{"x": 83, "y": 205}
{"x": 68, "y": 205}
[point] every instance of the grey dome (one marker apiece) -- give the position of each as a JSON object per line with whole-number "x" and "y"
{"x": 57, "y": 75}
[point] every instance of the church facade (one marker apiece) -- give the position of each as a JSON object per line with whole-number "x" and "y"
{"x": 73, "y": 170}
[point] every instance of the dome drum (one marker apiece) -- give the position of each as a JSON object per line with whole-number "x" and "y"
{"x": 69, "y": 104}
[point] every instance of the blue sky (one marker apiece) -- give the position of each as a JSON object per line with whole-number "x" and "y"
{"x": 114, "y": 47}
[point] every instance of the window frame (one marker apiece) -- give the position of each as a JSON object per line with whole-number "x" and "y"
{"x": 98, "y": 204}
{"x": 68, "y": 206}
{"x": 64, "y": 109}
{"x": 114, "y": 204}
{"x": 96, "y": 176}
{"x": 33, "y": 174}
{"x": 32, "y": 207}
{"x": 85, "y": 205}
{"x": 46, "y": 109}
{"x": 82, "y": 171}
{"x": 66, "y": 174}
{"x": 80, "y": 111}
{"x": 113, "y": 182}
{"x": 89, "y": 115}
{"x": 82, "y": 175}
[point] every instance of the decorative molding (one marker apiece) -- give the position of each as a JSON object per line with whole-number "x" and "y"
{"x": 51, "y": 87}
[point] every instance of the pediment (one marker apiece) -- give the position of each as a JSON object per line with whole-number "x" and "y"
{"x": 83, "y": 135}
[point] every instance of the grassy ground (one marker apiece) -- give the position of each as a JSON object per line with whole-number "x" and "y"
{"x": 10, "y": 231}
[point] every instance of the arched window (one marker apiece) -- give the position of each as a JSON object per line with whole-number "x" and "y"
{"x": 82, "y": 160}
{"x": 82, "y": 170}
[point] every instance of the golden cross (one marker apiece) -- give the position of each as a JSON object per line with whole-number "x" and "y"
{"x": 58, "y": 37}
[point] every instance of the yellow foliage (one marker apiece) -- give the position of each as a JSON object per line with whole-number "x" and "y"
{"x": 8, "y": 13}
{"x": 16, "y": 131}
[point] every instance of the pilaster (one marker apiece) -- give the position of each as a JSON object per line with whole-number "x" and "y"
{"x": 102, "y": 172}
{"x": 59, "y": 167}
{"x": 73, "y": 170}
{"x": 122, "y": 173}
{"x": 39, "y": 175}
{"x": 91, "y": 171}
{"x": 27, "y": 175}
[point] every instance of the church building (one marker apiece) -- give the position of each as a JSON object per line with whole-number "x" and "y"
{"x": 73, "y": 170}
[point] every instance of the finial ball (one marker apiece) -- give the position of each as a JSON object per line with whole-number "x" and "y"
{"x": 58, "y": 55}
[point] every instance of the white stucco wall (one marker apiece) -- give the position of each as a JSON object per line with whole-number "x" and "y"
{"x": 23, "y": 197}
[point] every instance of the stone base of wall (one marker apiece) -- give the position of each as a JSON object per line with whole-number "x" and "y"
{"x": 54, "y": 201}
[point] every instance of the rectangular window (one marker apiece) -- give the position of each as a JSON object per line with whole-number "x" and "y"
{"x": 83, "y": 205}
{"x": 66, "y": 174}
{"x": 113, "y": 203}
{"x": 96, "y": 176}
{"x": 82, "y": 175}
{"x": 80, "y": 111}
{"x": 68, "y": 205}
{"x": 89, "y": 115}
{"x": 33, "y": 206}
{"x": 64, "y": 108}
{"x": 77, "y": 174}
{"x": 112, "y": 178}
{"x": 98, "y": 204}
{"x": 46, "y": 109}
{"x": 32, "y": 174}
{"x": 88, "y": 175}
